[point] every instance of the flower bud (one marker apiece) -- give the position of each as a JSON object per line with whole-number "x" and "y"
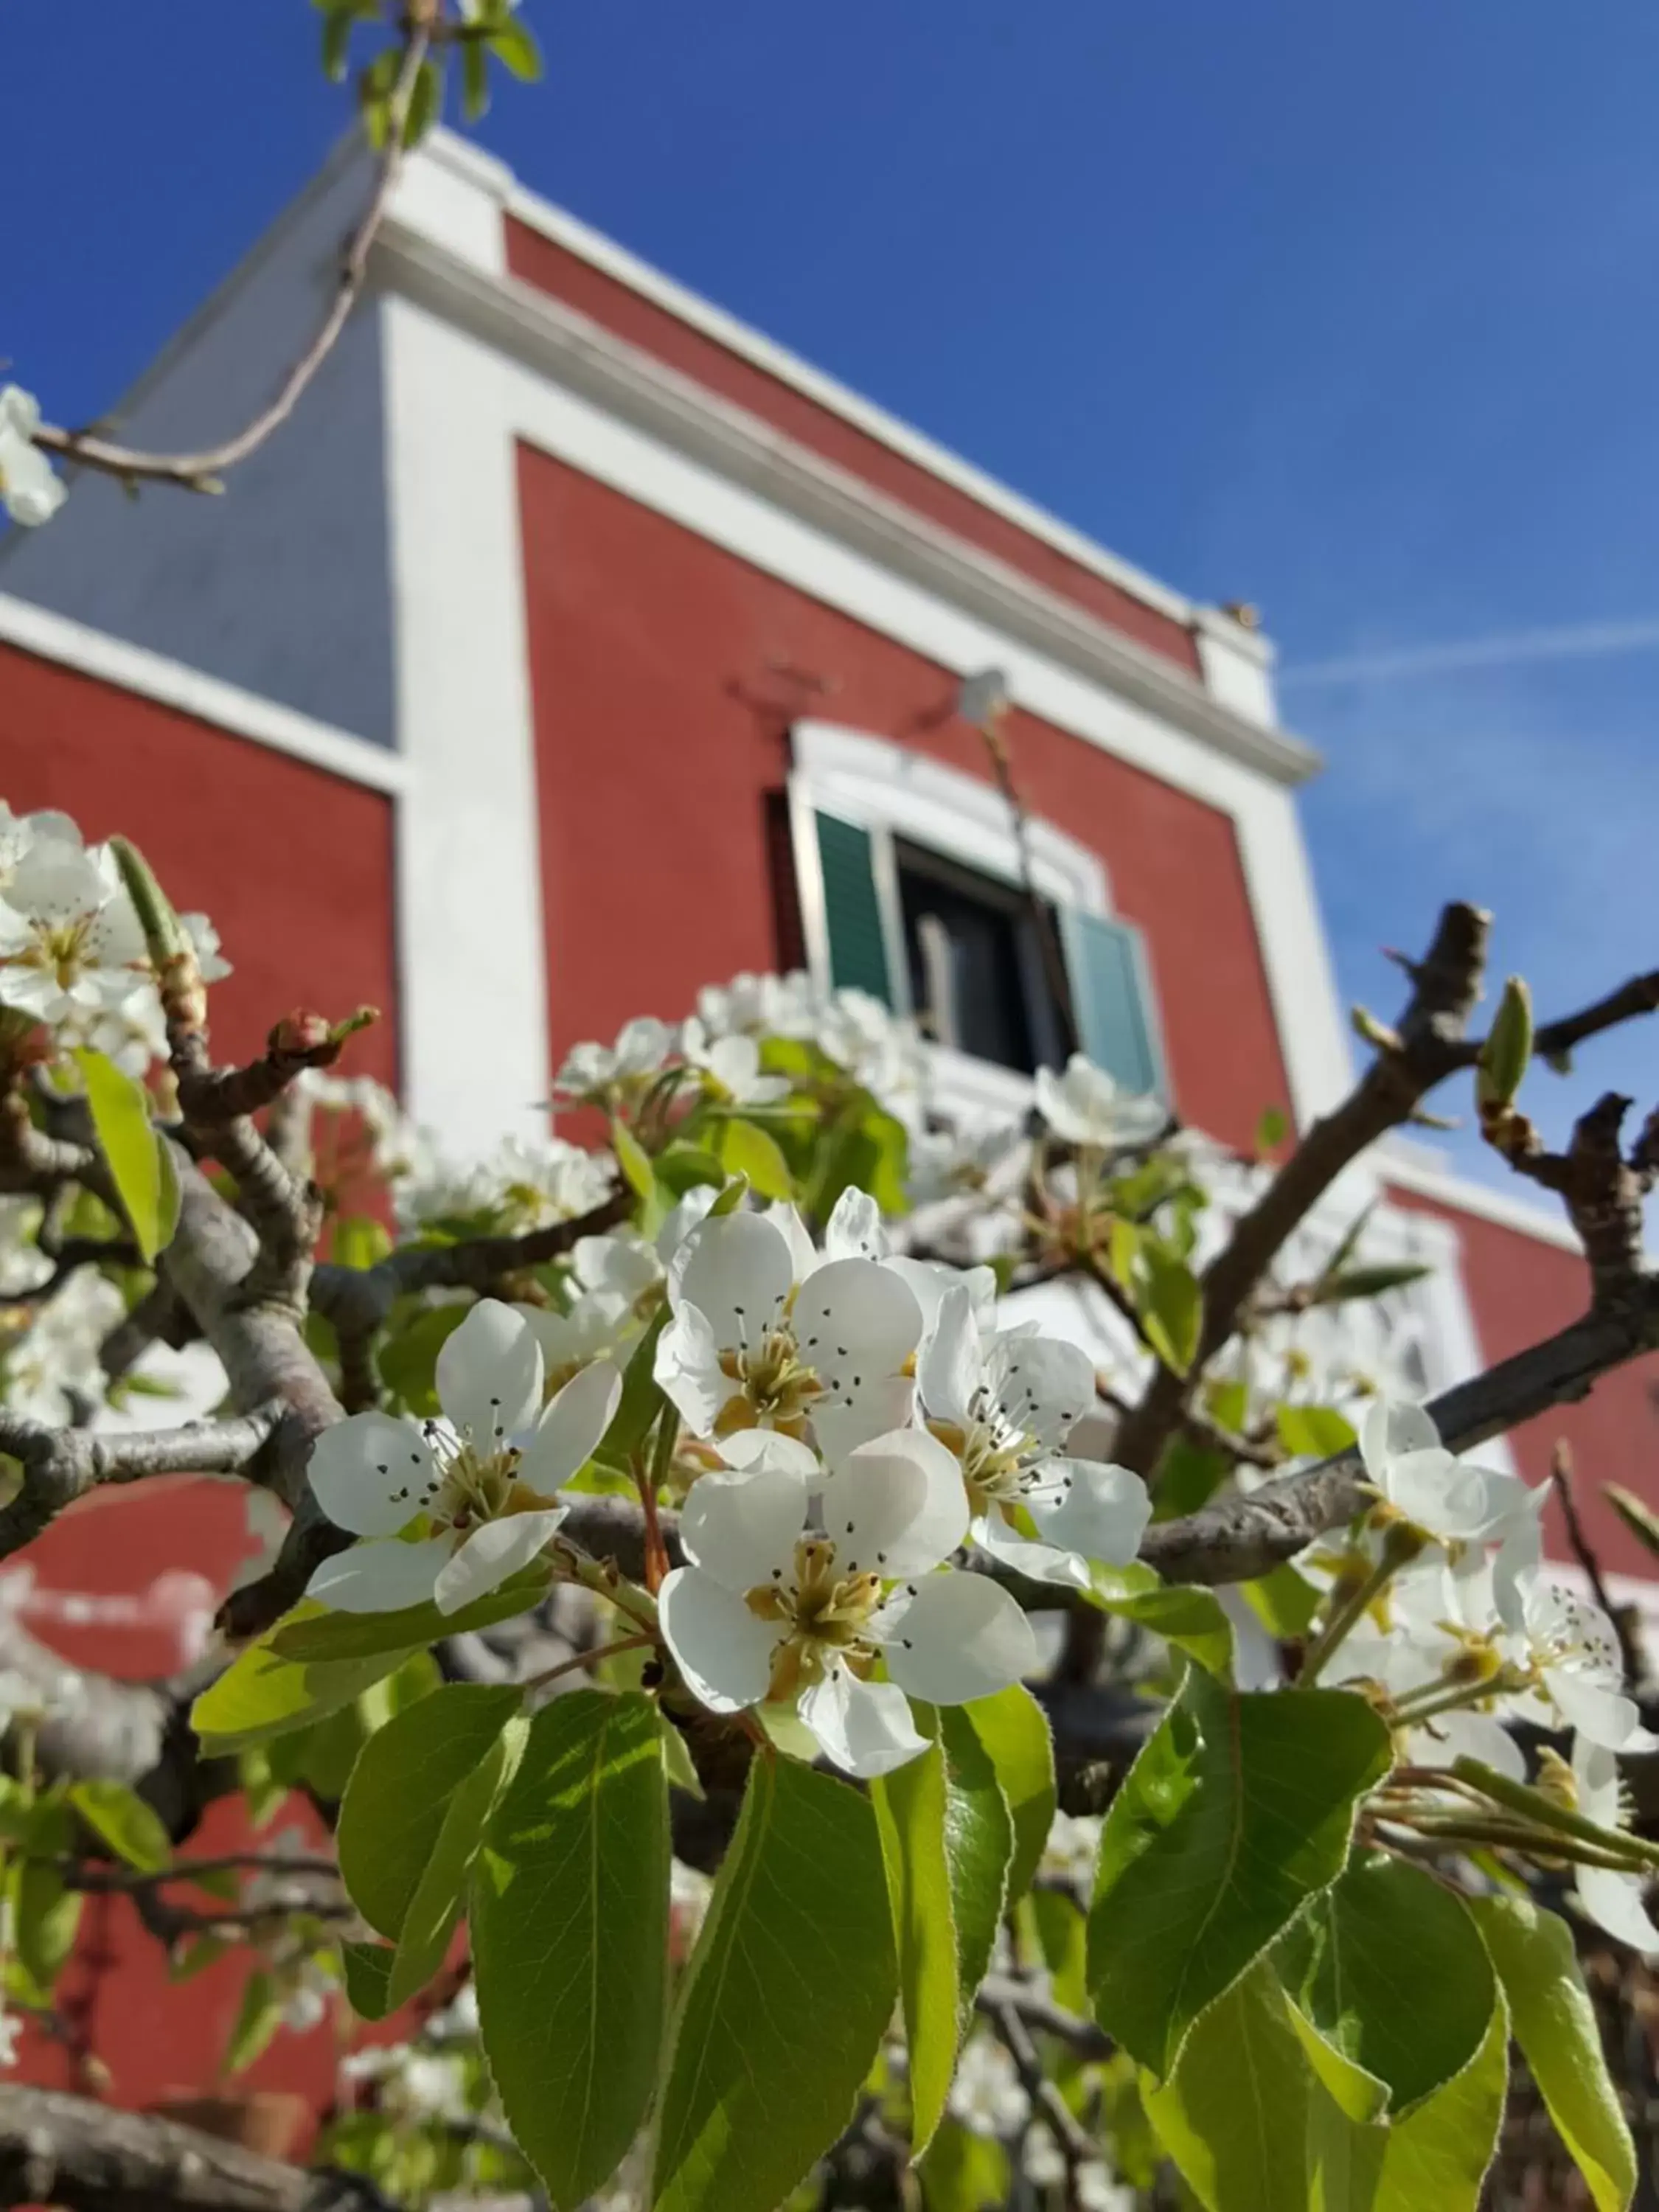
{"x": 1507, "y": 1049}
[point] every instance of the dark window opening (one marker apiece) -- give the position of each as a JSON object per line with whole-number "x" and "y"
{"x": 978, "y": 982}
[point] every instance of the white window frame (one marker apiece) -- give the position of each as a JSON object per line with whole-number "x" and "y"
{"x": 893, "y": 792}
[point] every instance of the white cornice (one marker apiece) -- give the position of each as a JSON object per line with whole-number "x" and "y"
{"x": 149, "y": 675}
{"x": 570, "y": 349}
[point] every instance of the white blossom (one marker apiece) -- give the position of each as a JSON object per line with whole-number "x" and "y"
{"x": 760, "y": 1006}
{"x": 71, "y": 948}
{"x": 1072, "y": 1847}
{"x": 1086, "y": 1106}
{"x": 1412, "y": 1471}
{"x": 1572, "y": 1649}
{"x": 481, "y": 1485}
{"x": 1614, "y": 1901}
{"x": 731, "y": 1066}
{"x": 766, "y": 1334}
{"x": 52, "y": 1370}
{"x": 11, "y": 2027}
{"x": 1005, "y": 1406}
{"x": 30, "y": 490}
{"x": 771, "y": 1608}
{"x": 985, "y": 2094}
{"x": 594, "y": 1071}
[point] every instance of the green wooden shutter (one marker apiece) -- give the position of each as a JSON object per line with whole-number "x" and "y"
{"x": 852, "y": 910}
{"x": 1111, "y": 991}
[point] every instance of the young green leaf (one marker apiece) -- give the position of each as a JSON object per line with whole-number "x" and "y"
{"x": 1439, "y": 2154}
{"x": 1014, "y": 1730}
{"x": 569, "y": 1936}
{"x": 258, "y": 2019}
{"x": 910, "y": 1805}
{"x": 312, "y": 1635}
{"x": 1181, "y": 1614}
{"x": 1314, "y": 1431}
{"x": 514, "y": 47}
{"x": 434, "y": 1910}
{"x": 369, "y": 1978}
{"x": 264, "y": 1694}
{"x": 799, "y": 1938}
{"x": 119, "y": 1106}
{"x": 748, "y": 1149}
{"x": 1233, "y": 2115}
{"x": 125, "y": 1822}
{"x": 1341, "y": 1964}
{"x": 1171, "y": 1308}
{"x": 1554, "y": 2022}
{"x": 633, "y": 1161}
{"x": 979, "y": 1846}
{"x": 1238, "y": 1809}
{"x": 400, "y": 1791}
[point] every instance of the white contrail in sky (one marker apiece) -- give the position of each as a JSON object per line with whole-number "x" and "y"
{"x": 1581, "y": 641}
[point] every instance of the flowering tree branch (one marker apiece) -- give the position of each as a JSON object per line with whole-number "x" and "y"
{"x": 59, "y": 2149}
{"x": 200, "y": 470}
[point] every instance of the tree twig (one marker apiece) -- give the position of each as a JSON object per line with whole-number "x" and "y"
{"x": 199, "y": 470}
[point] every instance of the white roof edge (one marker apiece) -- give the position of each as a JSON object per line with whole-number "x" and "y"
{"x": 1463, "y": 1195}
{"x": 153, "y": 676}
{"x": 764, "y": 353}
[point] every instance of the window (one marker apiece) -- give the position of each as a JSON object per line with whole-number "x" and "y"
{"x": 910, "y": 888}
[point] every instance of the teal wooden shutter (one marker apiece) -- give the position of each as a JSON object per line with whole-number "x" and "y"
{"x": 852, "y": 910}
{"x": 1111, "y": 992}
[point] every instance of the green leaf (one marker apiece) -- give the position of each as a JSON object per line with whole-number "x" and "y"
{"x": 44, "y": 1917}
{"x": 434, "y": 1910}
{"x": 1553, "y": 2020}
{"x": 337, "y": 41}
{"x": 783, "y": 2007}
{"x": 258, "y": 2019}
{"x": 1639, "y": 1518}
{"x": 748, "y": 1149}
{"x": 131, "y": 1148}
{"x": 1388, "y": 1968}
{"x": 633, "y": 1161}
{"x": 1014, "y": 1730}
{"x": 1437, "y": 2157}
{"x": 408, "y": 1358}
{"x": 263, "y": 1693}
{"x": 1183, "y": 1615}
{"x": 1171, "y": 1308}
{"x": 132, "y": 1828}
{"x": 514, "y": 47}
{"x": 368, "y": 1977}
{"x": 964, "y": 2172}
{"x": 909, "y": 1806}
{"x": 681, "y": 1167}
{"x": 1271, "y": 1127}
{"x": 1238, "y": 1809}
{"x": 399, "y": 1794}
{"x": 425, "y": 100}
{"x": 358, "y": 1240}
{"x": 1062, "y": 1935}
{"x": 475, "y": 81}
{"x": 1336, "y": 1288}
{"x": 640, "y": 1400}
{"x": 569, "y": 1936}
{"x": 1314, "y": 1431}
{"x": 1233, "y": 2115}
{"x": 1283, "y": 1602}
{"x": 979, "y": 1846}
{"x": 318, "y": 1635}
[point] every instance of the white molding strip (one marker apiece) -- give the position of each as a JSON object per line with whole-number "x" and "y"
{"x": 149, "y": 675}
{"x": 1461, "y": 1195}
{"x": 788, "y": 368}
{"x": 557, "y": 343}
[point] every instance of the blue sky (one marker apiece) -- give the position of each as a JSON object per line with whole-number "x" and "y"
{"x": 1349, "y": 310}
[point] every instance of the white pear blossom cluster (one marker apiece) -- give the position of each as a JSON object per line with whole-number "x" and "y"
{"x": 72, "y": 954}
{"x": 31, "y": 490}
{"x": 870, "y": 1424}
{"x": 1475, "y": 1635}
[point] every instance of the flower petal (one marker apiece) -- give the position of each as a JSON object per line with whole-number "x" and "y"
{"x": 750, "y": 1450}
{"x": 1439, "y": 1493}
{"x": 931, "y": 1280}
{"x": 493, "y": 1552}
{"x": 379, "y": 1577}
{"x": 896, "y": 1506}
{"x": 1456, "y": 1735}
{"x": 489, "y": 1373}
{"x": 1102, "y": 1513}
{"x": 1042, "y": 1563}
{"x": 856, "y": 1316}
{"x": 1614, "y": 1902}
{"x": 876, "y": 1406}
{"x": 1390, "y": 1428}
{"x": 1600, "y": 1714}
{"x": 721, "y": 1647}
{"x": 952, "y": 1360}
{"x": 864, "y": 1728}
{"x": 688, "y": 1368}
{"x": 736, "y": 1271}
{"x": 1043, "y": 1384}
{"x": 371, "y": 1473}
{"x": 571, "y": 1427}
{"x": 743, "y": 1528}
{"x": 960, "y": 1637}
{"x": 854, "y": 1231}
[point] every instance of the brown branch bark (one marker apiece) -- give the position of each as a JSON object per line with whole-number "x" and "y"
{"x": 199, "y": 470}
{"x": 60, "y": 1465}
{"x": 59, "y": 2149}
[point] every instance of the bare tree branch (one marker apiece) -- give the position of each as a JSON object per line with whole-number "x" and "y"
{"x": 198, "y": 471}
{"x": 60, "y": 1465}
{"x": 58, "y": 2149}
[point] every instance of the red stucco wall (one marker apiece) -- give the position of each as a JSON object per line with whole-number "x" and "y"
{"x": 293, "y": 865}
{"x": 553, "y": 268}
{"x": 666, "y": 675}
{"x": 1521, "y": 1289}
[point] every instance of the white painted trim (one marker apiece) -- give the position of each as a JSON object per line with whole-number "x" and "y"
{"x": 776, "y": 360}
{"x": 515, "y": 362}
{"x": 471, "y": 922}
{"x": 555, "y": 343}
{"x": 1460, "y": 1195}
{"x": 149, "y": 675}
